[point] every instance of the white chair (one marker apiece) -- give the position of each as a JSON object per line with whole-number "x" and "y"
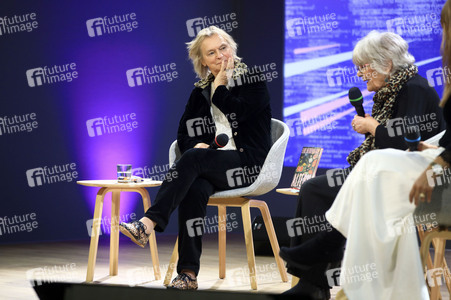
{"x": 267, "y": 180}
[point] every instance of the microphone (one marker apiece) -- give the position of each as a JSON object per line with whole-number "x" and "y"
{"x": 412, "y": 138}
{"x": 356, "y": 99}
{"x": 220, "y": 141}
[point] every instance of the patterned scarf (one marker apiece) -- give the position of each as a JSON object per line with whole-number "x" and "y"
{"x": 239, "y": 70}
{"x": 384, "y": 100}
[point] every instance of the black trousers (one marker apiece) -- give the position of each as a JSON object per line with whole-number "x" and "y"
{"x": 315, "y": 199}
{"x": 188, "y": 185}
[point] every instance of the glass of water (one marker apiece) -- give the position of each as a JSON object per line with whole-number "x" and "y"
{"x": 124, "y": 173}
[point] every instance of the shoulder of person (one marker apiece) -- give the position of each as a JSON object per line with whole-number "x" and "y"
{"x": 418, "y": 82}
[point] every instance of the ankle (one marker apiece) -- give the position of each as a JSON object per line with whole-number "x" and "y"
{"x": 150, "y": 225}
{"x": 190, "y": 273}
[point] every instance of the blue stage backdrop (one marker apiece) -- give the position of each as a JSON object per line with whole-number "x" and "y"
{"x": 86, "y": 85}
{"x": 319, "y": 39}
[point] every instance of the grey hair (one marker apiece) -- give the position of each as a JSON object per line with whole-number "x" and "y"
{"x": 379, "y": 49}
{"x": 195, "y": 53}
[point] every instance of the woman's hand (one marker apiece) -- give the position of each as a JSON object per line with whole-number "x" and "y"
{"x": 423, "y": 146}
{"x": 365, "y": 125}
{"x": 225, "y": 73}
{"x": 421, "y": 190}
{"x": 201, "y": 145}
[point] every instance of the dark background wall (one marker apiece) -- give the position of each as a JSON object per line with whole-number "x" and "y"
{"x": 64, "y": 112}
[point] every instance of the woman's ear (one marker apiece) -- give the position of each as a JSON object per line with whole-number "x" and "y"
{"x": 390, "y": 67}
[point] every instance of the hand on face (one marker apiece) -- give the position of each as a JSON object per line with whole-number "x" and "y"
{"x": 225, "y": 73}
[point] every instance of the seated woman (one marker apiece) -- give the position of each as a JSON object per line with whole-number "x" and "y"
{"x": 374, "y": 210}
{"x": 242, "y": 112}
{"x": 387, "y": 67}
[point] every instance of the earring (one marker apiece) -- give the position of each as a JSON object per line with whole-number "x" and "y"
{"x": 386, "y": 79}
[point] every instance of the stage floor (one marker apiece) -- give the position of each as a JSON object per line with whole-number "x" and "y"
{"x": 67, "y": 261}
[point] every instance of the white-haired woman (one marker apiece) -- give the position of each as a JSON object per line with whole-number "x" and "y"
{"x": 222, "y": 102}
{"x": 374, "y": 210}
{"x": 384, "y": 63}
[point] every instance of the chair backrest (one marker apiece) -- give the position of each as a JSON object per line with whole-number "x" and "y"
{"x": 271, "y": 171}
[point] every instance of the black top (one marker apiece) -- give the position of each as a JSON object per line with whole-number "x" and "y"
{"x": 445, "y": 141}
{"x": 417, "y": 103}
{"x": 247, "y": 108}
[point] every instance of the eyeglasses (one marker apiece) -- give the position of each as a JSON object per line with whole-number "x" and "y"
{"x": 361, "y": 68}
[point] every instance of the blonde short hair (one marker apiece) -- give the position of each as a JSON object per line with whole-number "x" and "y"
{"x": 195, "y": 53}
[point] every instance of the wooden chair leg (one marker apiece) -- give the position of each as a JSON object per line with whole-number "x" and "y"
{"x": 152, "y": 240}
{"x": 247, "y": 227}
{"x": 272, "y": 236}
{"x": 114, "y": 234}
{"x": 222, "y": 230}
{"x": 95, "y": 234}
{"x": 172, "y": 263}
{"x": 294, "y": 280}
{"x": 438, "y": 263}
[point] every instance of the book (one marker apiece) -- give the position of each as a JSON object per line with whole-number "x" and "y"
{"x": 307, "y": 166}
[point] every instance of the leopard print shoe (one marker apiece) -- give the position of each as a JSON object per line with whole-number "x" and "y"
{"x": 183, "y": 282}
{"x": 136, "y": 231}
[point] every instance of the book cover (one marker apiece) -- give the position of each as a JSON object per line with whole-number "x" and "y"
{"x": 307, "y": 166}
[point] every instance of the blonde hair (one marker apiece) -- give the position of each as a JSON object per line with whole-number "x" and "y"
{"x": 445, "y": 48}
{"x": 195, "y": 53}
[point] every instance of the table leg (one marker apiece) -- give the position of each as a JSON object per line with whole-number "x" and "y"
{"x": 152, "y": 240}
{"x": 114, "y": 233}
{"x": 95, "y": 234}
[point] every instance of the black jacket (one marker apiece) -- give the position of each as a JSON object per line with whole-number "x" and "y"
{"x": 247, "y": 107}
{"x": 415, "y": 101}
